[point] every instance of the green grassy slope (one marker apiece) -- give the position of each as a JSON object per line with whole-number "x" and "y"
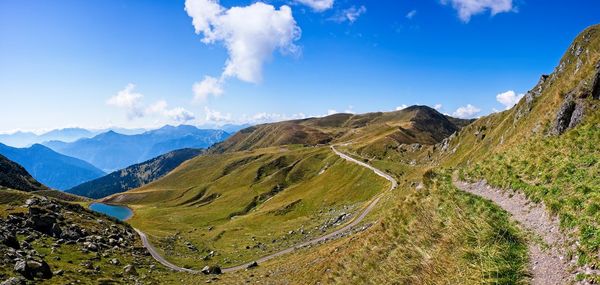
{"x": 245, "y": 205}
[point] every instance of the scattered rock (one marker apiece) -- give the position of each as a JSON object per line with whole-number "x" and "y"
{"x": 114, "y": 261}
{"x": 31, "y": 269}
{"x": 252, "y": 265}
{"x": 130, "y": 270}
{"x": 13, "y": 281}
{"x": 214, "y": 269}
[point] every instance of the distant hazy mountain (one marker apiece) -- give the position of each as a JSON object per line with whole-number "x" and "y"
{"x": 111, "y": 150}
{"x": 25, "y": 139}
{"x": 232, "y": 129}
{"x": 51, "y": 168}
{"x": 135, "y": 175}
{"x": 14, "y": 176}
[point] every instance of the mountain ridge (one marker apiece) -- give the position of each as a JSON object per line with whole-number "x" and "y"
{"x": 53, "y": 169}
{"x": 134, "y": 176}
{"x": 111, "y": 151}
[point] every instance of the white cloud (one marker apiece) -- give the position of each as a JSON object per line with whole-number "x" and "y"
{"x": 219, "y": 118}
{"x": 438, "y": 106}
{"x": 214, "y": 116}
{"x": 251, "y": 34}
{"x": 467, "y": 8}
{"x": 208, "y": 86}
{"x": 331, "y": 112}
{"x": 466, "y": 112}
{"x": 401, "y": 107}
{"x": 411, "y": 14}
{"x": 317, "y": 5}
{"x": 509, "y": 98}
{"x": 349, "y": 15}
{"x": 177, "y": 114}
{"x": 129, "y": 100}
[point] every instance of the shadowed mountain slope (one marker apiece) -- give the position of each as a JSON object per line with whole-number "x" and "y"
{"x": 16, "y": 177}
{"x": 52, "y": 169}
{"x": 134, "y": 176}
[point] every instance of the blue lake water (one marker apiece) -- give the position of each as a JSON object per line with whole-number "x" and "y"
{"x": 120, "y": 212}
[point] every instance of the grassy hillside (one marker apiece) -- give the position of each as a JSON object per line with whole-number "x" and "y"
{"x": 134, "y": 176}
{"x": 272, "y": 186}
{"x": 15, "y": 176}
{"x": 245, "y": 205}
{"x": 416, "y": 124}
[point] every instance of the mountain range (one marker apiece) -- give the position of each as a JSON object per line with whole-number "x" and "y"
{"x": 134, "y": 176}
{"x": 52, "y": 169}
{"x": 25, "y": 139}
{"x": 111, "y": 151}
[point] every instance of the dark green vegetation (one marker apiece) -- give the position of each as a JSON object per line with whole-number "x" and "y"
{"x": 52, "y": 169}
{"x": 134, "y": 176}
{"x": 15, "y": 176}
{"x": 111, "y": 151}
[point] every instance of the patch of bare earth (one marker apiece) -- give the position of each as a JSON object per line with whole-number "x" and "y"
{"x": 549, "y": 263}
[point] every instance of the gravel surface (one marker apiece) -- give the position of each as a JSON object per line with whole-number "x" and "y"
{"x": 548, "y": 263}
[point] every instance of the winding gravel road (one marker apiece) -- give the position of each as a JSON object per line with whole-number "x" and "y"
{"x": 356, "y": 221}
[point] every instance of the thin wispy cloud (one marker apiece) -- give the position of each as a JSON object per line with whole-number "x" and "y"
{"x": 468, "y": 8}
{"x": 317, "y": 5}
{"x": 349, "y": 15}
{"x": 411, "y": 14}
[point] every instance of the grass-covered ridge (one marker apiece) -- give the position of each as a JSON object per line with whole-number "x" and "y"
{"x": 560, "y": 171}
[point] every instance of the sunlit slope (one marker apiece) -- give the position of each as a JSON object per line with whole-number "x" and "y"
{"x": 415, "y": 124}
{"x": 245, "y": 205}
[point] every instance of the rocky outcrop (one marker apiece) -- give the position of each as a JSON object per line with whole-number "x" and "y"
{"x": 33, "y": 268}
{"x": 41, "y": 219}
{"x": 596, "y": 83}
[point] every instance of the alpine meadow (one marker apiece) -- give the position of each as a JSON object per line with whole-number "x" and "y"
{"x": 199, "y": 141}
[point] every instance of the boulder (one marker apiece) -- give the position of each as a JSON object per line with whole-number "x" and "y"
{"x": 10, "y": 240}
{"x": 31, "y": 269}
{"x": 252, "y": 265}
{"x": 130, "y": 270}
{"x": 214, "y": 269}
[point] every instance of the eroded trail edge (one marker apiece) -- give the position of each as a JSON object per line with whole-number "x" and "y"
{"x": 332, "y": 235}
{"x": 548, "y": 262}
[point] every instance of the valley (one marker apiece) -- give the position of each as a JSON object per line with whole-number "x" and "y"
{"x": 413, "y": 194}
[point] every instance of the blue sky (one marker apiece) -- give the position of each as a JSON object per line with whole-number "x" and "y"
{"x": 133, "y": 63}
